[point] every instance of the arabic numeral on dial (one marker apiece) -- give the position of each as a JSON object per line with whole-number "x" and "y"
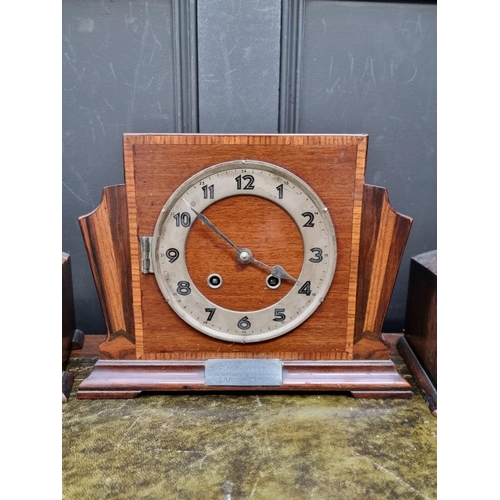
{"x": 249, "y": 182}
{"x": 211, "y": 312}
{"x": 305, "y": 288}
{"x": 318, "y": 255}
{"x": 208, "y": 192}
{"x": 182, "y": 219}
{"x": 310, "y": 218}
{"x": 183, "y": 288}
{"x": 279, "y": 315}
{"x": 244, "y": 324}
{"x": 280, "y": 191}
{"x": 172, "y": 255}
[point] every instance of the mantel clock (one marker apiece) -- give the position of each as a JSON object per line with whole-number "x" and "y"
{"x": 244, "y": 262}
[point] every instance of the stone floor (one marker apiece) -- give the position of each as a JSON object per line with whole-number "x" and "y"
{"x": 240, "y": 446}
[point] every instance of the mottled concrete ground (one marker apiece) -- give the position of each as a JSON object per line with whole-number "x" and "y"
{"x": 259, "y": 446}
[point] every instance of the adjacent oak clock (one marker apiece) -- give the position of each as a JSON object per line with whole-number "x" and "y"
{"x": 244, "y": 262}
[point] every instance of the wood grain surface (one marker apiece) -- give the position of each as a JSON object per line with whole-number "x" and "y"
{"x": 384, "y": 236}
{"x": 244, "y": 287}
{"x": 106, "y": 237}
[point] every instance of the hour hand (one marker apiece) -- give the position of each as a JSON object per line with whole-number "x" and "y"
{"x": 277, "y": 271}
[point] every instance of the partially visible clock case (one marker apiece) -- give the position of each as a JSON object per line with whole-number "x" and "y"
{"x": 244, "y": 262}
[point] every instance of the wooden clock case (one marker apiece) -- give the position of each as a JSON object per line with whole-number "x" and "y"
{"x": 339, "y": 348}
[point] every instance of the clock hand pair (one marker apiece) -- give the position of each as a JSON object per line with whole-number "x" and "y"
{"x": 244, "y": 255}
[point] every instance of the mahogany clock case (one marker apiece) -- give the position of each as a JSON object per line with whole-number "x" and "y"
{"x": 344, "y": 333}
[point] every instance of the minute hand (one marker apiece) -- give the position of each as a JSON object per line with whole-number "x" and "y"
{"x": 213, "y": 228}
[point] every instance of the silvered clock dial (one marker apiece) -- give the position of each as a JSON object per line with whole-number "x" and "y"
{"x": 287, "y": 296}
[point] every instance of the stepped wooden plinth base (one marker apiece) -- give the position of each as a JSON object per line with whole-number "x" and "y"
{"x": 127, "y": 379}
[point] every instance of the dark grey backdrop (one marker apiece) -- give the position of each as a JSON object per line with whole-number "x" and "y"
{"x": 253, "y": 66}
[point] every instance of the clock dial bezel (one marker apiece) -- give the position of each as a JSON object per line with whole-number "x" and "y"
{"x": 245, "y": 178}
